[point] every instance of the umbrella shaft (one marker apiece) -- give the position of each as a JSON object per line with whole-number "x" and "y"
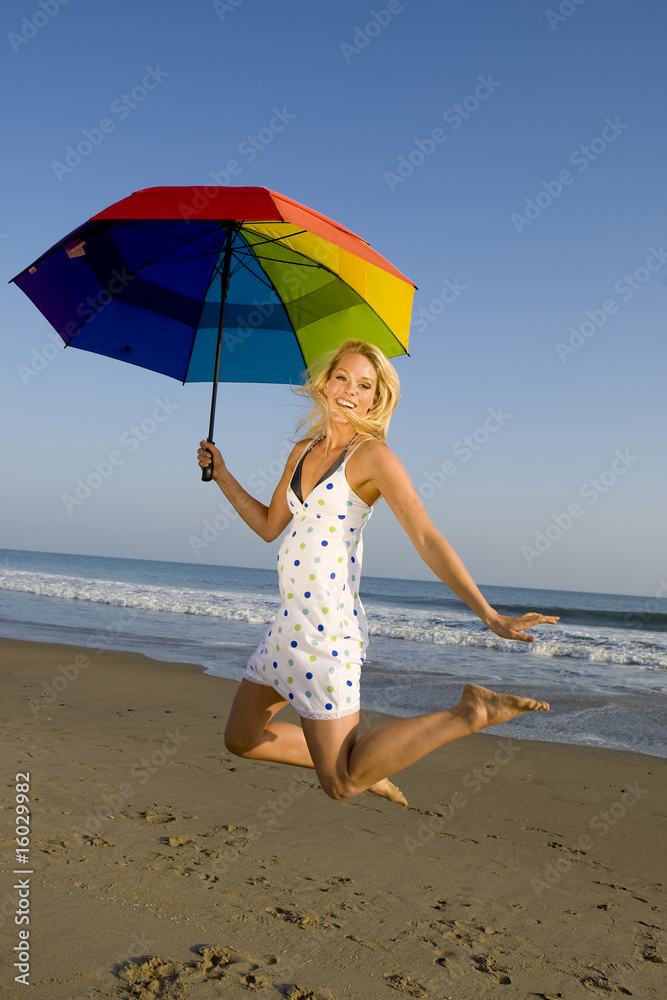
{"x": 224, "y": 285}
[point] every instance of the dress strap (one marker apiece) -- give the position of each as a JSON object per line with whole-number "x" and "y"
{"x": 359, "y": 445}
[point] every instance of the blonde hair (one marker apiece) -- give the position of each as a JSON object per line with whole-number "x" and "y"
{"x": 376, "y": 421}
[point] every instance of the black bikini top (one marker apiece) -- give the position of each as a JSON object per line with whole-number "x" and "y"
{"x": 296, "y": 478}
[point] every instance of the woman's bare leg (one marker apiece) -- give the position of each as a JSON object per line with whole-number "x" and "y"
{"x": 251, "y": 732}
{"x": 346, "y": 766}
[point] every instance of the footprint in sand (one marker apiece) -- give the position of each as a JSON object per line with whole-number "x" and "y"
{"x": 406, "y": 985}
{"x": 303, "y": 993}
{"x": 488, "y": 964}
{"x": 163, "y": 979}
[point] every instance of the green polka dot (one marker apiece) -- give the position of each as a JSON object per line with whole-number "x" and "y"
{"x": 340, "y": 558}
{"x": 325, "y": 610}
{"x": 282, "y": 568}
{"x": 348, "y": 666}
{"x": 264, "y": 667}
{"x": 329, "y": 688}
{"x": 303, "y": 545}
{"x": 290, "y": 680}
{"x": 312, "y": 576}
{"x": 290, "y": 596}
{"x": 321, "y": 503}
{"x": 277, "y": 648}
{"x": 355, "y": 596}
{"x": 296, "y": 628}
{"x": 332, "y": 528}
{"x": 312, "y": 659}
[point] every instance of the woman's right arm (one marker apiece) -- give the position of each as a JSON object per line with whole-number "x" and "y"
{"x": 267, "y": 522}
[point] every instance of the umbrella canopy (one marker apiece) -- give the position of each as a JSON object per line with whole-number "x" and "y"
{"x": 144, "y": 282}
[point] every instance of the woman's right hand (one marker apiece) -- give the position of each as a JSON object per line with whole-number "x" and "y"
{"x": 208, "y": 453}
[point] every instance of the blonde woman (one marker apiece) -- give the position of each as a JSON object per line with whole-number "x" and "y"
{"x": 312, "y": 654}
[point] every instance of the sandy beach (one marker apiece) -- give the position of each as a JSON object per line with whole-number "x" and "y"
{"x": 160, "y": 866}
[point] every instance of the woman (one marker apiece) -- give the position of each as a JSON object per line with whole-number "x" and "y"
{"x": 311, "y": 656}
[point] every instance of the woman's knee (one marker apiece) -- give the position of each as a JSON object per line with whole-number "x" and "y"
{"x": 237, "y": 743}
{"x": 338, "y": 788}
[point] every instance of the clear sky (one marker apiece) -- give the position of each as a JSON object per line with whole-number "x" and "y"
{"x": 509, "y": 157}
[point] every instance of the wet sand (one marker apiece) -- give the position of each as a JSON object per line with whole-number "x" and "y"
{"x": 164, "y": 867}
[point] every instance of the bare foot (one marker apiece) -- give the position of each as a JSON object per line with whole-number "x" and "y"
{"x": 488, "y": 708}
{"x": 388, "y": 790}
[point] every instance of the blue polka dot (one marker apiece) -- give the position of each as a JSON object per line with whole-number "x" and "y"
{"x": 293, "y": 644}
{"x": 329, "y": 486}
{"x": 291, "y": 695}
{"x": 334, "y": 653}
{"x": 351, "y": 529}
{"x": 309, "y": 676}
{"x": 307, "y": 594}
{"x": 285, "y": 613}
{"x": 333, "y": 576}
{"x": 325, "y": 543}
{"x": 293, "y": 534}
{"x": 297, "y": 562}
{"x": 341, "y": 517}
{"x": 355, "y": 611}
{"x": 269, "y": 633}
{"x": 349, "y": 684}
{"x": 351, "y": 557}
{"x": 275, "y": 664}
{"x": 320, "y": 628}
{"x": 329, "y": 706}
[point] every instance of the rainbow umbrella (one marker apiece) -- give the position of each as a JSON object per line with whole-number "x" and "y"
{"x": 218, "y": 284}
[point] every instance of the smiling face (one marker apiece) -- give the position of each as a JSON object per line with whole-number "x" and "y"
{"x": 351, "y": 388}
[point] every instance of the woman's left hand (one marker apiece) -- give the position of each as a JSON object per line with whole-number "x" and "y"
{"x": 512, "y": 628}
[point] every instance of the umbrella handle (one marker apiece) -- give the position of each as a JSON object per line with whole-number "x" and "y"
{"x": 207, "y": 471}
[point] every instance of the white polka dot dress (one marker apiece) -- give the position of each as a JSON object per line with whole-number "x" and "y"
{"x": 313, "y": 651}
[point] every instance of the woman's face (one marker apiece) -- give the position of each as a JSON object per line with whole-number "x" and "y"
{"x": 352, "y": 387}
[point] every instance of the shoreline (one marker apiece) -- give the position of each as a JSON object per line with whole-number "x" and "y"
{"x": 157, "y": 856}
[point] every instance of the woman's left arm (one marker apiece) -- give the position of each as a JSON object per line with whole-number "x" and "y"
{"x": 387, "y": 474}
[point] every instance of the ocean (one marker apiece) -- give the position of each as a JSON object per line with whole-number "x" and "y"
{"x": 603, "y": 667}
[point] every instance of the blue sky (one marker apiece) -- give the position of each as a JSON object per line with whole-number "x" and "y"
{"x": 508, "y": 157}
